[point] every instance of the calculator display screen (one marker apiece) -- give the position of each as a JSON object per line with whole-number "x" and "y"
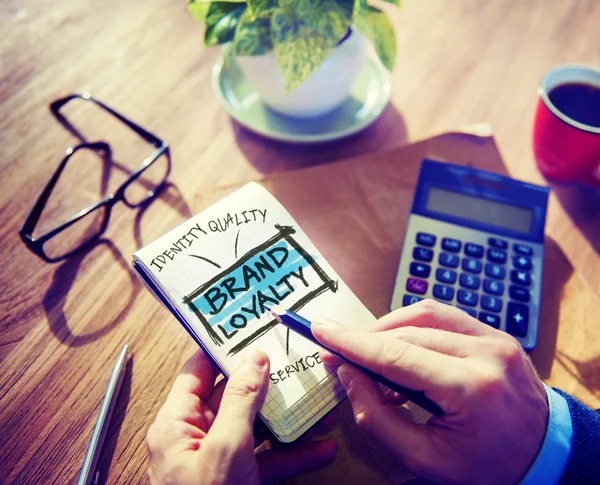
{"x": 480, "y": 210}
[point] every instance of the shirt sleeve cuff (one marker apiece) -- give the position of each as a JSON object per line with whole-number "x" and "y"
{"x": 550, "y": 463}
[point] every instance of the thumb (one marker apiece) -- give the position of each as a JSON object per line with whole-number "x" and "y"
{"x": 394, "y": 426}
{"x": 243, "y": 397}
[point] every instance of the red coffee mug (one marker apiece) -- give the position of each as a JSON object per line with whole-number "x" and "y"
{"x": 566, "y": 150}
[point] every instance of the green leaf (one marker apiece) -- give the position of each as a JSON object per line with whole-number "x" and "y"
{"x": 221, "y": 21}
{"x": 377, "y": 27}
{"x": 198, "y": 9}
{"x": 260, "y": 7}
{"x": 299, "y": 50}
{"x": 328, "y": 17}
{"x": 304, "y": 32}
{"x": 398, "y": 3}
{"x": 252, "y": 36}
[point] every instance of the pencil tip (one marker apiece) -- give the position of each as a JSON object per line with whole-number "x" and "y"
{"x": 278, "y": 309}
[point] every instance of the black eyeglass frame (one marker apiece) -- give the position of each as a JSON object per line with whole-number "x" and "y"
{"x": 36, "y": 244}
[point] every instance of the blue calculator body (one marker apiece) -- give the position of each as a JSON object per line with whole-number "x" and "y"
{"x": 475, "y": 240}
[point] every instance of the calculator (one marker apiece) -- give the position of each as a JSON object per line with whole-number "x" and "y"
{"x": 475, "y": 240}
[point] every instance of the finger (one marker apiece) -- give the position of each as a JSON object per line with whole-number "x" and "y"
{"x": 432, "y": 314}
{"x": 214, "y": 401}
{"x": 401, "y": 362}
{"x": 242, "y": 398}
{"x": 278, "y": 463}
{"x": 393, "y": 398}
{"x": 190, "y": 388}
{"x": 442, "y": 341}
{"x": 330, "y": 360}
{"x": 393, "y": 426}
{"x": 197, "y": 377}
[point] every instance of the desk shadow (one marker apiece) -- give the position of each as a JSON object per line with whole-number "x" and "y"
{"x": 584, "y": 372}
{"x": 171, "y": 195}
{"x": 557, "y": 271}
{"x": 366, "y": 448}
{"x": 116, "y": 423}
{"x": 55, "y": 298}
{"x": 582, "y": 203}
{"x": 271, "y": 156}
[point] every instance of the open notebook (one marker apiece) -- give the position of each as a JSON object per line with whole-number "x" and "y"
{"x": 218, "y": 270}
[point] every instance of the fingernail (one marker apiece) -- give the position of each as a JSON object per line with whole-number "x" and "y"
{"x": 360, "y": 418}
{"x": 330, "y": 360}
{"x": 255, "y": 357}
{"x": 345, "y": 377}
{"x": 325, "y": 355}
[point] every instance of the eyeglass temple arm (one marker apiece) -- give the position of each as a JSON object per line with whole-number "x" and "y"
{"x": 55, "y": 106}
{"x": 35, "y": 213}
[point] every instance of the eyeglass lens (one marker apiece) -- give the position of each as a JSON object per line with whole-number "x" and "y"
{"x": 93, "y": 123}
{"x": 82, "y": 184}
{"x": 91, "y": 175}
{"x": 77, "y": 235}
{"x": 144, "y": 186}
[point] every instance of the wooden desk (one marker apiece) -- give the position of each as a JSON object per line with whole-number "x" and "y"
{"x": 61, "y": 325}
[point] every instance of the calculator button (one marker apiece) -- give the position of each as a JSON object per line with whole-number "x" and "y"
{"x": 445, "y": 276}
{"x": 425, "y": 239}
{"x": 469, "y": 281}
{"x": 518, "y": 293}
{"x": 520, "y": 277}
{"x": 422, "y": 254}
{"x": 410, "y": 299}
{"x": 420, "y": 269}
{"x": 470, "y": 311}
{"x": 490, "y": 319}
{"x": 449, "y": 260}
{"x": 523, "y": 249}
{"x": 522, "y": 262}
{"x": 495, "y": 271}
{"x": 472, "y": 265}
{"x": 466, "y": 297}
{"x": 473, "y": 250}
{"x": 517, "y": 319}
{"x": 452, "y": 245}
{"x": 443, "y": 292}
{"x": 415, "y": 285}
{"x": 497, "y": 243}
{"x": 491, "y": 303}
{"x": 496, "y": 255}
{"x": 493, "y": 287}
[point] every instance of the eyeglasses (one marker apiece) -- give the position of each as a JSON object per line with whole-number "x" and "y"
{"x": 83, "y": 229}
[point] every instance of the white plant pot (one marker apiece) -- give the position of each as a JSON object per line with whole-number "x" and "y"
{"x": 324, "y": 91}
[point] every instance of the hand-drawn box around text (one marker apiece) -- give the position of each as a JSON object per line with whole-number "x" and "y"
{"x": 278, "y": 271}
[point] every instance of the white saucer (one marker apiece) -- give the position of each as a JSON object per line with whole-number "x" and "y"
{"x": 368, "y": 98}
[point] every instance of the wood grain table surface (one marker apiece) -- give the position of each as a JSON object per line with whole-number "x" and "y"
{"x": 459, "y": 62}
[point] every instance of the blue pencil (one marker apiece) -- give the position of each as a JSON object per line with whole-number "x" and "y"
{"x": 301, "y": 325}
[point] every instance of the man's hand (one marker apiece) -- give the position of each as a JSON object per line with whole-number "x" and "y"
{"x": 203, "y": 433}
{"x": 495, "y": 405}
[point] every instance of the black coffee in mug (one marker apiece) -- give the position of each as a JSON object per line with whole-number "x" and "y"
{"x": 578, "y": 101}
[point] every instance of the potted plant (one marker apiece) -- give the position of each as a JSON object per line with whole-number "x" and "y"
{"x": 302, "y": 56}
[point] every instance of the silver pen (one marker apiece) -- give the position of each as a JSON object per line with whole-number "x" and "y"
{"x": 89, "y": 474}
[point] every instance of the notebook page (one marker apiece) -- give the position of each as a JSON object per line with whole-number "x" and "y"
{"x": 222, "y": 267}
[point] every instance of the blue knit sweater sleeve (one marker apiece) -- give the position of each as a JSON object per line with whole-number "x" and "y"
{"x": 583, "y": 466}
